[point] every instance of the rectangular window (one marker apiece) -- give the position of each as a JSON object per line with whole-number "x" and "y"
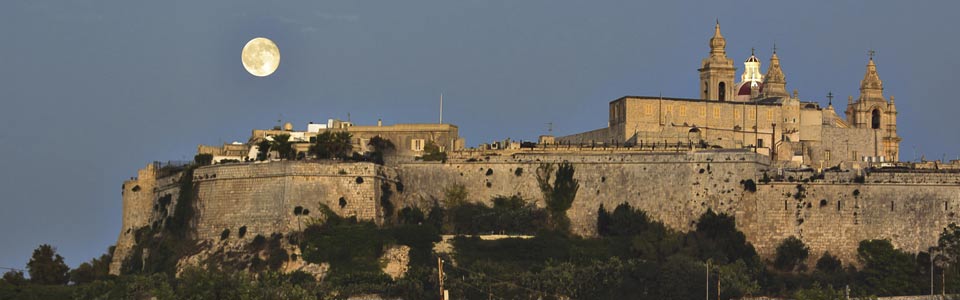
{"x": 703, "y": 112}
{"x": 648, "y": 109}
{"x": 683, "y": 110}
{"x": 751, "y": 115}
{"x": 716, "y": 112}
{"x": 416, "y": 144}
{"x": 759, "y": 143}
{"x": 736, "y": 114}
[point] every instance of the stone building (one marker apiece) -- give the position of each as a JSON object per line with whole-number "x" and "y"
{"x": 759, "y": 114}
{"x": 408, "y": 139}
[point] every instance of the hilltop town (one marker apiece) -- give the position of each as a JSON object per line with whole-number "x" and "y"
{"x": 782, "y": 165}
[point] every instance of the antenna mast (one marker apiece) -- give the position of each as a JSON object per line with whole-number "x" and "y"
{"x": 441, "y": 108}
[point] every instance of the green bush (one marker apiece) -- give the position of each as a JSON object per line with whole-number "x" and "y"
{"x": 431, "y": 152}
{"x": 203, "y": 159}
{"x": 791, "y": 255}
{"x": 511, "y": 215}
{"x": 623, "y": 221}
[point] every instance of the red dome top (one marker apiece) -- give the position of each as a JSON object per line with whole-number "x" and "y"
{"x": 744, "y": 88}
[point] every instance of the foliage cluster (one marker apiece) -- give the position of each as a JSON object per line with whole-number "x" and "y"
{"x": 635, "y": 258}
{"x": 559, "y": 193}
{"x": 353, "y": 249}
{"x": 509, "y": 215}
{"x": 203, "y": 159}
{"x": 381, "y": 147}
{"x": 431, "y": 152}
{"x": 332, "y": 145}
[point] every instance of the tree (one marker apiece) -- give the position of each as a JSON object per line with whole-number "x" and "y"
{"x": 624, "y": 221}
{"x": 947, "y": 254}
{"x": 560, "y": 194}
{"x": 829, "y": 263}
{"x": 14, "y": 277}
{"x": 381, "y": 147}
{"x": 888, "y": 271}
{"x": 791, "y": 255}
{"x": 717, "y": 237}
{"x": 283, "y": 146}
{"x": 263, "y": 150}
{"x": 203, "y": 159}
{"x": 47, "y": 267}
{"x": 153, "y": 286}
{"x": 454, "y": 196}
{"x": 97, "y": 269}
{"x": 331, "y": 144}
{"x": 431, "y": 152}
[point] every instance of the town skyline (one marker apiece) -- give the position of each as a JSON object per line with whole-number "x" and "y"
{"x": 149, "y": 81}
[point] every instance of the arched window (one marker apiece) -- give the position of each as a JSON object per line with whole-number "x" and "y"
{"x": 876, "y": 119}
{"x": 722, "y": 91}
{"x": 706, "y": 90}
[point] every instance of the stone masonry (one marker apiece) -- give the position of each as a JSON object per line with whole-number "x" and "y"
{"x": 831, "y": 214}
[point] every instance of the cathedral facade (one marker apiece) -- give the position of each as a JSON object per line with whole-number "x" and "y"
{"x": 758, "y": 114}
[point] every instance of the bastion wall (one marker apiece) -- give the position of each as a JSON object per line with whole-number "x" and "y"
{"x": 262, "y": 197}
{"x": 833, "y": 213}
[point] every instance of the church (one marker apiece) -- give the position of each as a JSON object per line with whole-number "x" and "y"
{"x": 757, "y": 114}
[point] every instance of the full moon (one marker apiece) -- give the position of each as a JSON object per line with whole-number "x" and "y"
{"x": 260, "y": 57}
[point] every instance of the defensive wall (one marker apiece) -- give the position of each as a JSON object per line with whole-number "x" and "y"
{"x": 258, "y": 197}
{"x": 262, "y": 196}
{"x": 829, "y": 213}
{"x": 141, "y": 197}
{"x": 833, "y": 213}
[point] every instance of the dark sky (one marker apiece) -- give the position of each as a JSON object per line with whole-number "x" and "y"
{"x": 94, "y": 90}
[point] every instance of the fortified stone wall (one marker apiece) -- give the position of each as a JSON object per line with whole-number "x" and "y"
{"x": 830, "y": 214}
{"x": 262, "y": 197}
{"x": 258, "y": 196}
{"x": 141, "y": 207}
{"x": 836, "y": 217}
{"x": 910, "y": 209}
{"x": 674, "y": 187}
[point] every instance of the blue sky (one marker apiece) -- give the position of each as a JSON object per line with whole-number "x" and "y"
{"x": 93, "y": 90}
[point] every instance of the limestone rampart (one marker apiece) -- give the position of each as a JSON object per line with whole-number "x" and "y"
{"x": 141, "y": 206}
{"x": 262, "y": 196}
{"x": 829, "y": 213}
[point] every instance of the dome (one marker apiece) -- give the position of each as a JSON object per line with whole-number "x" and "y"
{"x": 288, "y": 126}
{"x": 752, "y": 58}
{"x": 743, "y": 89}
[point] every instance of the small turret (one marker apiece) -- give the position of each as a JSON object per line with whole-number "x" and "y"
{"x": 871, "y": 87}
{"x": 718, "y": 44}
{"x": 775, "y": 83}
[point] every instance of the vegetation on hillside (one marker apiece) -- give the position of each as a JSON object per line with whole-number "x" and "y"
{"x": 633, "y": 256}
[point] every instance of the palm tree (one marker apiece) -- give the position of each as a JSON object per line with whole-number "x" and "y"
{"x": 283, "y": 146}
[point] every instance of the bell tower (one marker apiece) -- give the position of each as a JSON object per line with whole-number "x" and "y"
{"x": 872, "y": 111}
{"x": 717, "y": 72}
